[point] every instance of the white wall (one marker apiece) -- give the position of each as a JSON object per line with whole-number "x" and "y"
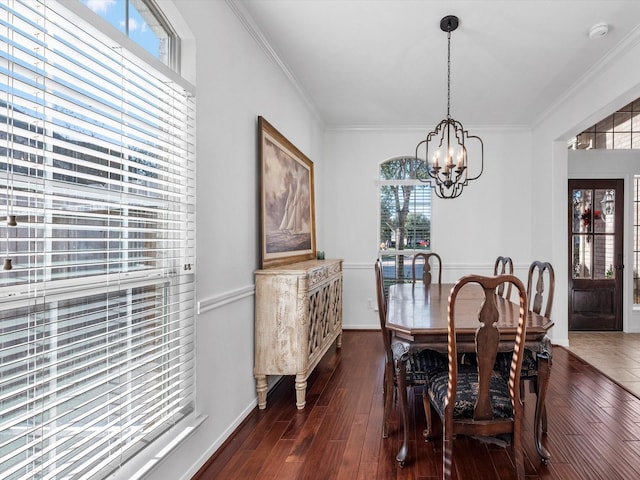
{"x": 236, "y": 82}
{"x": 610, "y": 85}
{"x": 490, "y": 218}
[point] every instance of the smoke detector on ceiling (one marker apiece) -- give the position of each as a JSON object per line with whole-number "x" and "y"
{"x": 598, "y": 30}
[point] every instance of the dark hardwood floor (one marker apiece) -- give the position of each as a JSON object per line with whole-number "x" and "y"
{"x": 594, "y": 429}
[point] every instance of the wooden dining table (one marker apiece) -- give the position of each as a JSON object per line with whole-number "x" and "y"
{"x": 418, "y": 315}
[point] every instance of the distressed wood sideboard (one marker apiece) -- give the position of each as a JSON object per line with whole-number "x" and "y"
{"x": 298, "y": 316}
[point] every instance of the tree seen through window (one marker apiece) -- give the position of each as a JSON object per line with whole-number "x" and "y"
{"x": 405, "y": 215}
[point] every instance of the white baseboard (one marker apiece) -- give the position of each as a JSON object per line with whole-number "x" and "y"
{"x": 189, "y": 474}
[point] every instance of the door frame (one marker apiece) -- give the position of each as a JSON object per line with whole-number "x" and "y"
{"x": 610, "y": 322}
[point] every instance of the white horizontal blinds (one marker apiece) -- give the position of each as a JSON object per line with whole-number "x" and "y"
{"x": 96, "y": 315}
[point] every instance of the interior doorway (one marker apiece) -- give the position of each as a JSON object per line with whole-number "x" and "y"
{"x": 595, "y": 254}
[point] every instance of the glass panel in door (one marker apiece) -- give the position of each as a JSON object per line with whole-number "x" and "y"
{"x": 595, "y": 288}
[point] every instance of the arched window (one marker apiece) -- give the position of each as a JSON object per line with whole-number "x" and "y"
{"x": 404, "y": 215}
{"x": 97, "y": 286}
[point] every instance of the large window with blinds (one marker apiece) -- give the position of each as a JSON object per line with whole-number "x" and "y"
{"x": 97, "y": 249}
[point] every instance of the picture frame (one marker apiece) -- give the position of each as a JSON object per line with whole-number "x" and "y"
{"x": 287, "y": 202}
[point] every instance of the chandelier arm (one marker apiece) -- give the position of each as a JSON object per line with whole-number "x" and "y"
{"x": 418, "y": 175}
{"x": 481, "y": 156}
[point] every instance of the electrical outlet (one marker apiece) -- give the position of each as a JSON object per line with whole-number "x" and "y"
{"x": 370, "y": 304}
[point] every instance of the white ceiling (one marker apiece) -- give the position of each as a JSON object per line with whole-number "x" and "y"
{"x": 383, "y": 63}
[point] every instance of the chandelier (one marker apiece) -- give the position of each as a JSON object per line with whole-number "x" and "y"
{"x": 445, "y": 150}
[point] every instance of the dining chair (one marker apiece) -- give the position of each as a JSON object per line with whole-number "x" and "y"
{"x": 416, "y": 367}
{"x": 426, "y": 267}
{"x": 540, "y": 301}
{"x": 476, "y": 400}
{"x": 503, "y": 265}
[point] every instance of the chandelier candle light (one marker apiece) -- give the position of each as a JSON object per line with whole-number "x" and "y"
{"x": 446, "y": 143}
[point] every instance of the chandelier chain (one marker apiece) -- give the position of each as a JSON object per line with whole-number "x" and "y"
{"x": 449, "y": 72}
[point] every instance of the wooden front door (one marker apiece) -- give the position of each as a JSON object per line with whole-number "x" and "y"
{"x": 595, "y": 254}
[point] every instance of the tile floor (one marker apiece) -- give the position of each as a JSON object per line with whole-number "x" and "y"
{"x": 615, "y": 354}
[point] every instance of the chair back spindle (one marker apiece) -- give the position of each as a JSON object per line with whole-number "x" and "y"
{"x": 503, "y": 265}
{"x": 426, "y": 268}
{"x": 541, "y": 299}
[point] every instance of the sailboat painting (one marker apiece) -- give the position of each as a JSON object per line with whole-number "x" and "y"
{"x": 287, "y": 200}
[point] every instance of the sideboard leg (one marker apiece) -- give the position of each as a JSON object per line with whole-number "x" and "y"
{"x": 301, "y": 390}
{"x": 339, "y": 340}
{"x": 261, "y": 388}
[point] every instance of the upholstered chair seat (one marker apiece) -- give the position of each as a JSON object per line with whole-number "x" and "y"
{"x": 467, "y": 392}
{"x": 422, "y": 363}
{"x": 529, "y": 364}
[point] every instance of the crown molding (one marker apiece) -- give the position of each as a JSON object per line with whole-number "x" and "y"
{"x": 422, "y": 128}
{"x": 627, "y": 43}
{"x": 252, "y": 27}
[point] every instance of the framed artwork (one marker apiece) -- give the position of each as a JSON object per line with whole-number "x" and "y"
{"x": 287, "y": 216}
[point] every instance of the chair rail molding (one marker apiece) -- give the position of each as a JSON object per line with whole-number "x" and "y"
{"x": 225, "y": 298}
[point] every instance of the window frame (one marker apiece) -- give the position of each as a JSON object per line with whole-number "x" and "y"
{"x": 172, "y": 69}
{"x": 401, "y": 258}
{"x": 177, "y": 280}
